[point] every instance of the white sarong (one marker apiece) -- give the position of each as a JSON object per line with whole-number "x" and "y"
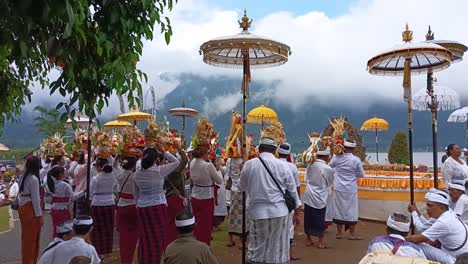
{"x": 329, "y": 211}
{"x": 345, "y": 208}
{"x": 269, "y": 240}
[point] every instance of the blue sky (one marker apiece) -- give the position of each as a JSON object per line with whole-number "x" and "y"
{"x": 260, "y": 8}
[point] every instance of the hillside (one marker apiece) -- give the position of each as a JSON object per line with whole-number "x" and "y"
{"x": 216, "y": 97}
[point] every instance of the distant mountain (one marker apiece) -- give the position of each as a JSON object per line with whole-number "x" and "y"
{"x": 216, "y": 97}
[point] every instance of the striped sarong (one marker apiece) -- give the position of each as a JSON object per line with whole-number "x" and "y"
{"x": 151, "y": 233}
{"x": 127, "y": 222}
{"x": 235, "y": 215}
{"x": 103, "y": 228}
{"x": 269, "y": 240}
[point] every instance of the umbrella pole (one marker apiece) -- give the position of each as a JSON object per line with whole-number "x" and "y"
{"x": 376, "y": 145}
{"x": 245, "y": 89}
{"x": 433, "y": 107}
{"x": 183, "y": 131}
{"x": 410, "y": 141}
{"x": 466, "y": 130}
{"x": 88, "y": 167}
{"x": 262, "y": 122}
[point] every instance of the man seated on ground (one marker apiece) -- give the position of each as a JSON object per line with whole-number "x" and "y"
{"x": 394, "y": 242}
{"x": 64, "y": 233}
{"x": 186, "y": 249}
{"x": 462, "y": 259}
{"x": 80, "y": 260}
{"x": 76, "y": 246}
{"x": 459, "y": 201}
{"x": 419, "y": 221}
{"x": 448, "y": 229}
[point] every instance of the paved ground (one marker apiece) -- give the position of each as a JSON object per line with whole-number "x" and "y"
{"x": 338, "y": 251}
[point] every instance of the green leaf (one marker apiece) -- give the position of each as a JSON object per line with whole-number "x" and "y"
{"x": 63, "y": 117}
{"x": 99, "y": 50}
{"x": 167, "y": 36}
{"x": 62, "y": 92}
{"x": 100, "y": 104}
{"x": 59, "y": 105}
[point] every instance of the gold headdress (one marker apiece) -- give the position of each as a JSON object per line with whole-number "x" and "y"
{"x": 152, "y": 134}
{"x": 202, "y": 133}
{"x": 53, "y": 146}
{"x": 103, "y": 143}
{"x": 275, "y": 132}
{"x": 127, "y": 145}
{"x": 80, "y": 141}
{"x": 234, "y": 141}
{"x": 310, "y": 154}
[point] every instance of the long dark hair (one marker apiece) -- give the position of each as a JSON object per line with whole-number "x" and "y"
{"x": 32, "y": 166}
{"x": 150, "y": 155}
{"x": 129, "y": 163}
{"x": 81, "y": 159}
{"x": 54, "y": 172}
{"x": 104, "y": 165}
{"x": 449, "y": 148}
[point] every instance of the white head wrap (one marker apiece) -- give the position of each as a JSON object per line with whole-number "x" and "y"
{"x": 397, "y": 225}
{"x": 268, "y": 141}
{"x": 83, "y": 221}
{"x": 185, "y": 222}
{"x": 284, "y": 149}
{"x": 325, "y": 152}
{"x": 349, "y": 144}
{"x": 437, "y": 196}
{"x": 65, "y": 227}
{"x": 457, "y": 186}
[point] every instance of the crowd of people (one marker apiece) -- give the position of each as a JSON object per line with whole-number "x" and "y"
{"x": 142, "y": 192}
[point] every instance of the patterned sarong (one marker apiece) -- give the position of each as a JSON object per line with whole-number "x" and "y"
{"x": 174, "y": 205}
{"x": 269, "y": 240}
{"x": 151, "y": 233}
{"x": 235, "y": 215}
{"x": 103, "y": 228}
{"x": 127, "y": 222}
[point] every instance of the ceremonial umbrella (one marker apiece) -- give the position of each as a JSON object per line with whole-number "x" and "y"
{"x": 375, "y": 124}
{"x": 80, "y": 121}
{"x": 244, "y": 51}
{"x": 434, "y": 99}
{"x": 261, "y": 115}
{"x": 3, "y": 148}
{"x": 183, "y": 112}
{"x": 134, "y": 116}
{"x": 406, "y": 59}
{"x": 461, "y": 116}
{"x": 442, "y": 96}
{"x": 117, "y": 124}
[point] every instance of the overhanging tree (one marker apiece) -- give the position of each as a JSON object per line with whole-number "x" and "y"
{"x": 95, "y": 44}
{"x": 48, "y": 121}
{"x": 398, "y": 152}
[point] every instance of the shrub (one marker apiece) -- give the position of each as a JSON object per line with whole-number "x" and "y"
{"x": 398, "y": 152}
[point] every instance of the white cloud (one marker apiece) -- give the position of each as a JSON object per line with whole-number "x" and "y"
{"x": 220, "y": 105}
{"x": 329, "y": 54}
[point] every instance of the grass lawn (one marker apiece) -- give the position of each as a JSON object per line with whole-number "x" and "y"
{"x": 4, "y": 218}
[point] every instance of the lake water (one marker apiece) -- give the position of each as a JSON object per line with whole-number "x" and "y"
{"x": 418, "y": 158}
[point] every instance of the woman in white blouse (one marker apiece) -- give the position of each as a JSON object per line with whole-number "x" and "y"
{"x": 204, "y": 176}
{"x": 102, "y": 188}
{"x": 127, "y": 218}
{"x": 62, "y": 196}
{"x": 29, "y": 210}
{"x": 454, "y": 168}
{"x": 151, "y": 203}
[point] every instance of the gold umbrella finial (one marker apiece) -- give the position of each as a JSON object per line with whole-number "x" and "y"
{"x": 245, "y": 22}
{"x": 407, "y": 34}
{"x": 430, "y": 34}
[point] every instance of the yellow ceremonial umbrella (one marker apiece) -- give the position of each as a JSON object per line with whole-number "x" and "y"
{"x": 117, "y": 124}
{"x": 261, "y": 115}
{"x": 134, "y": 116}
{"x": 375, "y": 124}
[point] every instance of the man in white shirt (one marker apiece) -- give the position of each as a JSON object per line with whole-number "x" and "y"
{"x": 284, "y": 151}
{"x": 2, "y": 194}
{"x": 64, "y": 233}
{"x": 394, "y": 242}
{"x": 76, "y": 246}
{"x": 14, "y": 189}
{"x": 319, "y": 180}
{"x": 269, "y": 215}
{"x": 448, "y": 229}
{"x": 348, "y": 168}
{"x": 459, "y": 201}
